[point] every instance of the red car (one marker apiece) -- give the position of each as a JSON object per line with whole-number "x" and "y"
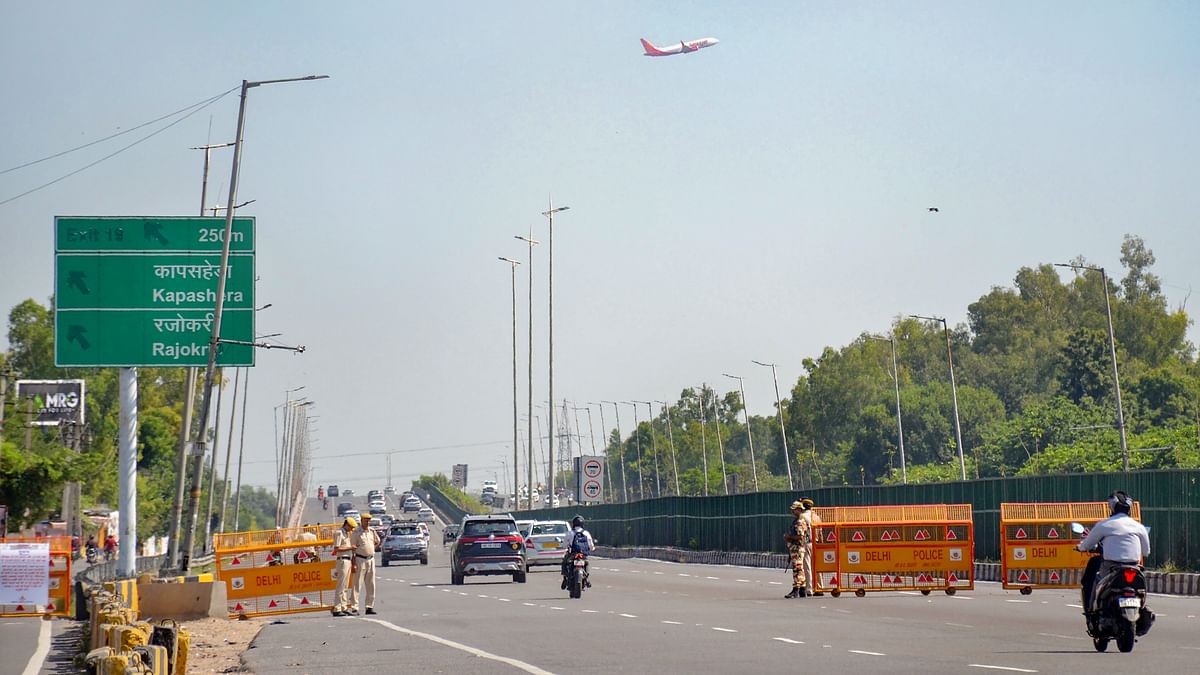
{"x": 488, "y": 545}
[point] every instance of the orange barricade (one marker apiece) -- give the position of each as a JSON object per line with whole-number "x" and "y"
{"x": 276, "y": 571}
{"x": 922, "y": 548}
{"x": 58, "y": 574}
{"x": 1038, "y": 546}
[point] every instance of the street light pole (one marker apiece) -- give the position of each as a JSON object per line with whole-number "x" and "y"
{"x": 720, "y": 443}
{"x": 550, "y": 326}
{"x": 962, "y": 464}
{"x": 210, "y": 371}
{"x": 749, "y": 436}
{"x": 638, "y": 443}
{"x": 671, "y": 440}
{"x": 654, "y": 446}
{"x": 529, "y": 468}
{"x": 782, "y": 431}
{"x": 703, "y": 439}
{"x": 620, "y": 444}
{"x": 1112, "y": 350}
{"x": 891, "y": 339}
{"x": 516, "y": 475}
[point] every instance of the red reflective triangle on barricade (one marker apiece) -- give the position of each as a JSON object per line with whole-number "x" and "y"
{"x": 1052, "y": 534}
{"x": 950, "y": 535}
{"x": 236, "y": 561}
{"x": 304, "y": 600}
{"x": 272, "y": 605}
{"x": 923, "y": 579}
{"x": 50, "y": 607}
{"x": 922, "y": 535}
{"x": 831, "y": 535}
{"x": 1023, "y": 576}
{"x": 858, "y": 536}
{"x": 20, "y": 608}
{"x": 952, "y": 579}
{"x": 886, "y": 536}
{"x": 887, "y": 579}
{"x": 238, "y": 608}
{"x": 1021, "y": 533}
{"x": 1054, "y": 578}
{"x": 858, "y": 579}
{"x": 895, "y": 534}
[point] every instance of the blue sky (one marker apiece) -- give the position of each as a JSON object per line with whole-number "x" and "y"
{"x": 758, "y": 200}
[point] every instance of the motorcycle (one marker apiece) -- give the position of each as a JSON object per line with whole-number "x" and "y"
{"x": 1118, "y": 603}
{"x": 92, "y": 555}
{"x": 577, "y": 575}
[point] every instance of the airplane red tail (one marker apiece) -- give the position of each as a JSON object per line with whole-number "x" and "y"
{"x": 651, "y": 50}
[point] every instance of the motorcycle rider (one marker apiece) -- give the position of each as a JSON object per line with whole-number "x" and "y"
{"x": 581, "y": 542}
{"x": 91, "y": 549}
{"x": 1124, "y": 541}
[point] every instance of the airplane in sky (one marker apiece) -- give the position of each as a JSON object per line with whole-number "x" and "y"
{"x": 681, "y": 48}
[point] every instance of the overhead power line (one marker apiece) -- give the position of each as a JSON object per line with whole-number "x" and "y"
{"x": 194, "y": 108}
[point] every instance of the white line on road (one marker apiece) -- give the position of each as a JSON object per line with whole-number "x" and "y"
{"x": 1015, "y": 670}
{"x": 742, "y": 581}
{"x": 1076, "y": 606}
{"x": 684, "y": 575}
{"x": 1065, "y": 637}
{"x": 504, "y": 600}
{"x": 557, "y": 608}
{"x": 724, "y": 630}
{"x": 713, "y": 578}
{"x": 529, "y": 604}
{"x": 590, "y": 611}
{"x": 788, "y": 640}
{"x": 461, "y": 593}
{"x": 775, "y": 583}
{"x": 1020, "y": 601}
{"x": 673, "y": 623}
{"x": 629, "y": 616}
{"x": 39, "y": 654}
{"x": 859, "y": 651}
{"x": 959, "y": 625}
{"x": 521, "y": 665}
{"x": 484, "y": 596}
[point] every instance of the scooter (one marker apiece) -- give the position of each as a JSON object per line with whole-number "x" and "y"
{"x": 1118, "y": 603}
{"x": 92, "y": 554}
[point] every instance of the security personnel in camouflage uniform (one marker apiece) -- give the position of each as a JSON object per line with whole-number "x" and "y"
{"x": 798, "y": 539}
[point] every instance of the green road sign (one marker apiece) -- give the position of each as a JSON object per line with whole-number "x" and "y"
{"x": 142, "y": 291}
{"x": 93, "y": 337}
{"x": 151, "y": 235}
{"x": 170, "y": 281}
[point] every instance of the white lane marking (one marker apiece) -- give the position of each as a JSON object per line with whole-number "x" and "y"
{"x": 1076, "y": 606}
{"x": 909, "y": 593}
{"x": 461, "y": 593}
{"x": 724, "y": 630}
{"x": 557, "y": 608}
{"x": 629, "y": 616}
{"x": 504, "y": 600}
{"x": 672, "y": 623}
{"x": 742, "y": 581}
{"x": 959, "y": 625}
{"x": 1065, "y": 637}
{"x": 484, "y": 596}
{"x": 590, "y": 611}
{"x": 775, "y": 583}
{"x": 529, "y": 604}
{"x": 859, "y": 651}
{"x": 658, "y": 572}
{"x": 684, "y": 575}
{"x": 521, "y": 665}
{"x": 713, "y": 578}
{"x": 966, "y": 597}
{"x": 429, "y": 587}
{"x": 446, "y": 590}
{"x": 789, "y": 641}
{"x": 39, "y": 654}
{"x": 1015, "y": 670}
{"x": 1020, "y": 601}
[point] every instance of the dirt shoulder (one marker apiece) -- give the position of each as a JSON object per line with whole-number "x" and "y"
{"x": 217, "y": 644}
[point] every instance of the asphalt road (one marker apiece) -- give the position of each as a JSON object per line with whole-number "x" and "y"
{"x": 651, "y": 616}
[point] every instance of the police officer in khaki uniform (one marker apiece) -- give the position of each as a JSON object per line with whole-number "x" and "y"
{"x": 365, "y": 542}
{"x": 343, "y": 553}
{"x": 806, "y": 554}
{"x": 798, "y": 537}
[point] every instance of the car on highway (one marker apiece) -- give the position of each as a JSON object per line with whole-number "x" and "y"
{"x": 424, "y": 528}
{"x": 372, "y": 494}
{"x": 332, "y": 491}
{"x": 450, "y": 533}
{"x": 348, "y": 492}
{"x": 405, "y": 541}
{"x": 412, "y": 504}
{"x": 547, "y": 542}
{"x": 343, "y": 507}
{"x": 352, "y": 513}
{"x": 523, "y": 526}
{"x": 488, "y": 545}
{"x": 377, "y": 508}
{"x": 389, "y": 490}
{"x": 379, "y": 527}
{"x": 487, "y": 498}
{"x": 386, "y": 518}
{"x": 425, "y": 515}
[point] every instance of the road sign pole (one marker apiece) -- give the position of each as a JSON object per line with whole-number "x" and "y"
{"x": 127, "y": 476}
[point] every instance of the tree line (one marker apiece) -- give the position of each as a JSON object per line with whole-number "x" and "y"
{"x": 1035, "y": 396}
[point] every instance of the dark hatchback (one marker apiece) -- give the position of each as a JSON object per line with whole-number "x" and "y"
{"x": 488, "y": 545}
